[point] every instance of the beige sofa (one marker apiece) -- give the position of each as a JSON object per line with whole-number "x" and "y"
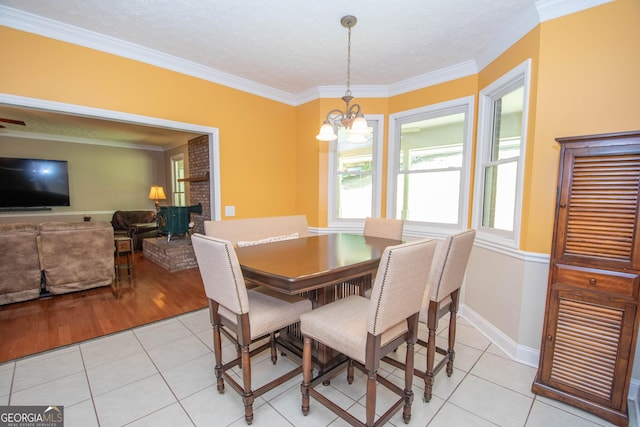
{"x": 250, "y": 231}
{"x": 68, "y": 256}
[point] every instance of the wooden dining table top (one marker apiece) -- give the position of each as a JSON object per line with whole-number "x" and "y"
{"x": 307, "y": 263}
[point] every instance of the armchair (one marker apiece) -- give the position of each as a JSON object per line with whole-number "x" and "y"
{"x": 135, "y": 224}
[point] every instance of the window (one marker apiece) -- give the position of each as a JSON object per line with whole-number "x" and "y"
{"x": 501, "y": 142}
{"x": 354, "y": 178}
{"x": 177, "y": 187}
{"x": 429, "y": 160}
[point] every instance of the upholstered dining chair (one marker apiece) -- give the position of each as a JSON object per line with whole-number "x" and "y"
{"x": 441, "y": 298}
{"x": 388, "y": 228}
{"x": 364, "y": 330}
{"x": 244, "y": 316}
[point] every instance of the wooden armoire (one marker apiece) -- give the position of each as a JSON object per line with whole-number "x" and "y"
{"x": 591, "y": 316}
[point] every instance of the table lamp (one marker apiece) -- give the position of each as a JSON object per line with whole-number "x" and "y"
{"x": 156, "y": 194}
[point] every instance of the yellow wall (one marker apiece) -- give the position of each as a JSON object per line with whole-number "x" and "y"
{"x": 435, "y": 94}
{"x": 588, "y": 83}
{"x": 310, "y": 187}
{"x": 257, "y": 149}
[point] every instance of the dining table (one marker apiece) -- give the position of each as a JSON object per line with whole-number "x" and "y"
{"x": 323, "y": 268}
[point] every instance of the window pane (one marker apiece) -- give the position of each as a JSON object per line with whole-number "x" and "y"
{"x": 507, "y": 125}
{"x": 177, "y": 166}
{"x": 354, "y": 196}
{"x": 500, "y": 196}
{"x": 354, "y": 176}
{"x": 429, "y": 197}
{"x": 432, "y": 144}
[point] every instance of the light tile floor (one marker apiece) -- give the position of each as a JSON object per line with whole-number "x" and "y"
{"x": 162, "y": 375}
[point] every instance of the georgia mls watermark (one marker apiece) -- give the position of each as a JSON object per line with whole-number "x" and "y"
{"x": 31, "y": 416}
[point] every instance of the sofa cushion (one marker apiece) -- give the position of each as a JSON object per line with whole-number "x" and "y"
{"x": 19, "y": 263}
{"x": 76, "y": 255}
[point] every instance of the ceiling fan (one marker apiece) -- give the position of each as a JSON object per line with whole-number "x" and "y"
{"x": 13, "y": 122}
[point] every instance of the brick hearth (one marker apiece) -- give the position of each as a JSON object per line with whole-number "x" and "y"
{"x": 174, "y": 255}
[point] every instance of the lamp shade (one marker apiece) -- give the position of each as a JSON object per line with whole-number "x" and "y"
{"x": 360, "y": 126}
{"x": 326, "y": 133}
{"x": 157, "y": 193}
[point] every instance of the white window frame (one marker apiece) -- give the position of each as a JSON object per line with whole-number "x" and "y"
{"x": 494, "y": 91}
{"x": 396, "y": 120}
{"x": 349, "y": 224}
{"x": 174, "y": 180}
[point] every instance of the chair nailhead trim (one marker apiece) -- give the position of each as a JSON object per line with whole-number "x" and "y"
{"x": 235, "y": 279}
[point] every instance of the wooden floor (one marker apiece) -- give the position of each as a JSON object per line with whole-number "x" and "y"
{"x": 34, "y": 326}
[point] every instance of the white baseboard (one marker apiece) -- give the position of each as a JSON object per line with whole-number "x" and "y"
{"x": 522, "y": 354}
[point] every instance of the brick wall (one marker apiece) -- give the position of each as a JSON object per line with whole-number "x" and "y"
{"x": 175, "y": 255}
{"x": 199, "y": 190}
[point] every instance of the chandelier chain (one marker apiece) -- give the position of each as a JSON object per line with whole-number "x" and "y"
{"x": 349, "y": 63}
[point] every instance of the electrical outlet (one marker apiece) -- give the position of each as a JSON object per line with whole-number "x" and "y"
{"x": 230, "y": 210}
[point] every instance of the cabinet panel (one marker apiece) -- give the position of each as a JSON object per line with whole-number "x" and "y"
{"x": 598, "y": 207}
{"x": 588, "y": 347}
{"x": 595, "y": 279}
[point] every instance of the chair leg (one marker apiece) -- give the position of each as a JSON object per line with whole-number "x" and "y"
{"x": 274, "y": 351}
{"x": 217, "y": 350}
{"x": 428, "y": 374}
{"x": 451, "y": 354}
{"x": 350, "y": 371}
{"x": 247, "y": 395}
{"x": 371, "y": 398}
{"x": 408, "y": 382}
{"x": 306, "y": 375}
{"x": 239, "y": 355}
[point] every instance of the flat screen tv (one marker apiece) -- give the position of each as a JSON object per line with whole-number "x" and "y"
{"x": 33, "y": 183}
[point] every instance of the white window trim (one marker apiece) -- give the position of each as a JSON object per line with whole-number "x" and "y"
{"x": 464, "y": 104}
{"x": 489, "y": 235}
{"x": 354, "y": 224}
{"x": 173, "y": 159}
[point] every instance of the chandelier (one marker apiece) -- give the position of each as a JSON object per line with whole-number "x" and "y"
{"x": 352, "y": 118}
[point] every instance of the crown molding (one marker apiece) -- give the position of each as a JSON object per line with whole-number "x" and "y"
{"x": 543, "y": 10}
{"x": 552, "y": 9}
{"x": 463, "y": 69}
{"x": 31, "y": 23}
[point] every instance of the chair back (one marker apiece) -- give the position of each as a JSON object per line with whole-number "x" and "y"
{"x": 387, "y": 228}
{"x": 400, "y": 284}
{"x": 221, "y": 274}
{"x": 449, "y": 265}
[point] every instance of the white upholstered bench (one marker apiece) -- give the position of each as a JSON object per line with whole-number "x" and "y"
{"x": 251, "y": 231}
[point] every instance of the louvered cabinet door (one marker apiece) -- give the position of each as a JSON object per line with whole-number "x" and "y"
{"x": 597, "y": 215}
{"x": 587, "y": 347}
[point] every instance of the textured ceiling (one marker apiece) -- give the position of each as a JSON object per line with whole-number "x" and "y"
{"x": 81, "y": 129}
{"x": 295, "y": 45}
{"x": 288, "y": 46}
